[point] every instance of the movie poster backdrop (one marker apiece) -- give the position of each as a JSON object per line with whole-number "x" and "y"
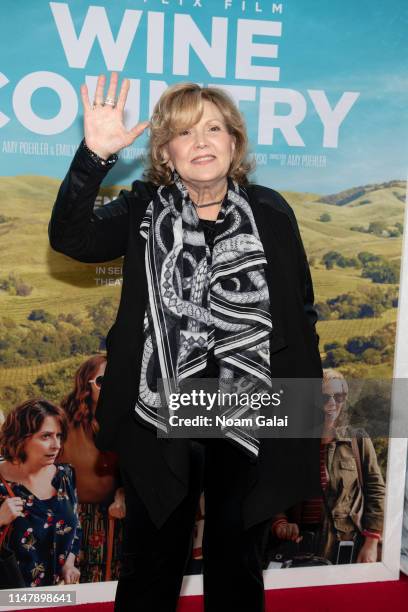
{"x": 323, "y": 88}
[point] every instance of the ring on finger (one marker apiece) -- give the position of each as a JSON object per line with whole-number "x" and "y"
{"x": 110, "y": 102}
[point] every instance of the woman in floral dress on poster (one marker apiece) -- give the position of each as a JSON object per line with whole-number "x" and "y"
{"x": 42, "y": 516}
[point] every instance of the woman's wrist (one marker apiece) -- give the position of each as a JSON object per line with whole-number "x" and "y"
{"x": 371, "y": 535}
{"x": 70, "y": 561}
{"x": 102, "y": 161}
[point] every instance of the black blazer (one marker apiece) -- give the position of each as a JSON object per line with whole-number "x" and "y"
{"x": 160, "y": 468}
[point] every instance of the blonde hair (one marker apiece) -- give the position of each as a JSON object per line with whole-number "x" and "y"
{"x": 332, "y": 374}
{"x": 180, "y": 107}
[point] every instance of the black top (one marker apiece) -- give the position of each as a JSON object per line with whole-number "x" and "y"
{"x": 212, "y": 369}
{"x": 208, "y": 227}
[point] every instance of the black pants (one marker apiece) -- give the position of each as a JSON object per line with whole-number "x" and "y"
{"x": 154, "y": 560}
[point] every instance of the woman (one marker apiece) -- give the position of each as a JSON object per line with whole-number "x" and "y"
{"x": 349, "y": 510}
{"x": 195, "y": 218}
{"x": 99, "y": 495}
{"x": 45, "y": 529}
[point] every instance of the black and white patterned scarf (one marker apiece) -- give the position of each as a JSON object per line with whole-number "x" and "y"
{"x": 198, "y": 302}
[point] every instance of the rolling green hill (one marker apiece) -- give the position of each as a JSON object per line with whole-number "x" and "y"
{"x": 384, "y": 205}
{"x": 59, "y": 283}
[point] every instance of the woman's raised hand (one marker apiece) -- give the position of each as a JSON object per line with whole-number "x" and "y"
{"x": 104, "y": 130}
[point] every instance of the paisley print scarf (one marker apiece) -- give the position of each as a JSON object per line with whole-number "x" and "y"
{"x": 200, "y": 302}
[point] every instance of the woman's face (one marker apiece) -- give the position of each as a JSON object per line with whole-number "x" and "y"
{"x": 334, "y": 398}
{"x": 43, "y": 447}
{"x": 202, "y": 154}
{"x": 95, "y": 388}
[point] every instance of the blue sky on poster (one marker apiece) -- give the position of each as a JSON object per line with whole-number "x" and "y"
{"x": 334, "y": 47}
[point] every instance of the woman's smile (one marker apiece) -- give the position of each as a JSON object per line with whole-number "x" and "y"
{"x": 203, "y": 159}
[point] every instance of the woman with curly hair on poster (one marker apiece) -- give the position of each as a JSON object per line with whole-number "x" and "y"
{"x": 100, "y": 497}
{"x": 38, "y": 499}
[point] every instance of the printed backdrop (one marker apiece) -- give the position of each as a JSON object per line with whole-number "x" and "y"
{"x": 323, "y": 87}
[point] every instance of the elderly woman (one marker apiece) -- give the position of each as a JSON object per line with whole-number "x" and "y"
{"x": 215, "y": 284}
{"x": 38, "y": 496}
{"x": 350, "y": 512}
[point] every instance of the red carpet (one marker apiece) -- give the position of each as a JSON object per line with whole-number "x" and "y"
{"x": 374, "y": 596}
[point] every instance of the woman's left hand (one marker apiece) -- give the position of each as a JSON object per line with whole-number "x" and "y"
{"x": 70, "y": 573}
{"x": 368, "y": 552}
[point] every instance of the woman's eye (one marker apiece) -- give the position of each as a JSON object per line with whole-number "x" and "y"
{"x": 184, "y": 132}
{"x": 215, "y": 128}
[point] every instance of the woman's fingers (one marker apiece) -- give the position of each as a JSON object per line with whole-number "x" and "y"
{"x": 100, "y": 84}
{"x": 123, "y": 94}
{"x": 73, "y": 575}
{"x": 289, "y": 531}
{"x": 105, "y": 131}
{"x": 136, "y": 131}
{"x": 112, "y": 86}
{"x": 15, "y": 507}
{"x": 85, "y": 98}
{"x": 19, "y": 509}
{"x": 16, "y": 502}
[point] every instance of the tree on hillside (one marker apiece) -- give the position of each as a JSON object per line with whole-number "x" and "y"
{"x": 372, "y": 410}
{"x": 377, "y": 227}
{"x": 382, "y": 271}
{"x": 330, "y": 258}
{"x": 41, "y": 315}
{"x": 103, "y": 315}
{"x": 58, "y": 383}
{"x": 331, "y": 345}
{"x": 371, "y": 356}
{"x": 336, "y": 358}
{"x": 358, "y": 228}
{"x": 323, "y": 311}
{"x": 15, "y": 286}
{"x": 357, "y": 345}
{"x": 366, "y": 256}
{"x": 325, "y": 217}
